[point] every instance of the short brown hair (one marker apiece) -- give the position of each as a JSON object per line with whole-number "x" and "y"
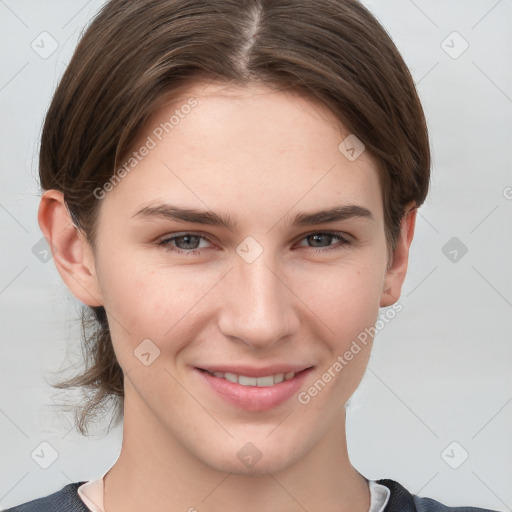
{"x": 136, "y": 52}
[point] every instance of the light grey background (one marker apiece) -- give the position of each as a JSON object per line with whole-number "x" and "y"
{"x": 439, "y": 372}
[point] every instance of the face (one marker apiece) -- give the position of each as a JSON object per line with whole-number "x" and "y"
{"x": 209, "y": 258}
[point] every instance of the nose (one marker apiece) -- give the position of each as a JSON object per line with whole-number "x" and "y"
{"x": 257, "y": 307}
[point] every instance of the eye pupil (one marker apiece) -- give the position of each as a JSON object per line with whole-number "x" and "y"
{"x": 187, "y": 240}
{"x": 318, "y": 236}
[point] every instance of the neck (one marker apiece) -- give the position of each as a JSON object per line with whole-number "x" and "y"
{"x": 154, "y": 472}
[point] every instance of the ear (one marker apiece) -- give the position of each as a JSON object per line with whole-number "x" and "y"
{"x": 397, "y": 269}
{"x": 71, "y": 252}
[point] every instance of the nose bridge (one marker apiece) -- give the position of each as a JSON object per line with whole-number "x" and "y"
{"x": 258, "y": 308}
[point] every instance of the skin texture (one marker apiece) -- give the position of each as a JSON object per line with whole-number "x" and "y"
{"x": 259, "y": 156}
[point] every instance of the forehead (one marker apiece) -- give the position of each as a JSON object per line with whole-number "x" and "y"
{"x": 242, "y": 109}
{"x": 229, "y": 147}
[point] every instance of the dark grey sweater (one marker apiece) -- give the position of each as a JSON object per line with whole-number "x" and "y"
{"x": 400, "y": 500}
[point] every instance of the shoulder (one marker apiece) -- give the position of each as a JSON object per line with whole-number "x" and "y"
{"x": 401, "y": 500}
{"x": 64, "y": 500}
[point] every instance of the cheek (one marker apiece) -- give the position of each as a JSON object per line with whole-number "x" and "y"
{"x": 346, "y": 297}
{"x": 152, "y": 302}
{"x": 349, "y": 306}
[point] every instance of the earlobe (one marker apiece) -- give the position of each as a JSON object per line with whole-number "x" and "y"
{"x": 72, "y": 254}
{"x": 395, "y": 274}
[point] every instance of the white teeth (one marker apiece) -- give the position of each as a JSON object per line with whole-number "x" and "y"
{"x": 265, "y": 381}
{"x": 247, "y": 381}
{"x": 268, "y": 380}
{"x": 279, "y": 378}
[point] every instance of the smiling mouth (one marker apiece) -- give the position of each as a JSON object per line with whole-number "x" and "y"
{"x": 263, "y": 389}
{"x": 244, "y": 380}
{"x": 264, "y": 381}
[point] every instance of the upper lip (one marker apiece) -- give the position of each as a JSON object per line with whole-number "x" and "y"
{"x": 251, "y": 371}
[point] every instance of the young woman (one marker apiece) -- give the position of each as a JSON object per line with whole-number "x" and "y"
{"x": 231, "y": 187}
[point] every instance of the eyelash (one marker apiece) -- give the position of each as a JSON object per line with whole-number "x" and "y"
{"x": 166, "y": 242}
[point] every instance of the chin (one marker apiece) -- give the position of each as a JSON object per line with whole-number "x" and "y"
{"x": 259, "y": 470}
{"x": 246, "y": 459}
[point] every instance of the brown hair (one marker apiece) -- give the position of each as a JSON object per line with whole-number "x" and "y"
{"x": 137, "y": 52}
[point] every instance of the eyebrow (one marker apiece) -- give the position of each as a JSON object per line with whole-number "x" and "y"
{"x": 181, "y": 214}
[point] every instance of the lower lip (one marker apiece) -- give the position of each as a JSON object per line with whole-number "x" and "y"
{"x": 255, "y": 398}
